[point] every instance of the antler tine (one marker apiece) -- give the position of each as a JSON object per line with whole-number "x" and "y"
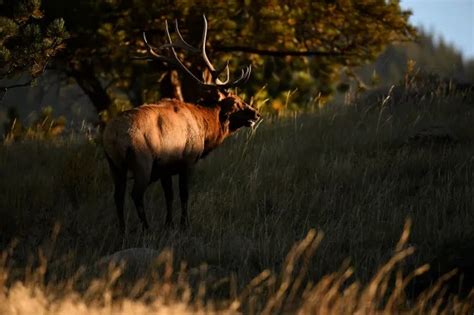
{"x": 176, "y": 58}
{"x": 204, "y": 39}
{"x": 181, "y": 39}
{"x": 152, "y": 51}
{"x": 150, "y": 48}
{"x": 214, "y": 73}
{"x": 176, "y": 61}
{"x": 226, "y": 67}
{"x": 249, "y": 72}
{"x": 155, "y": 54}
{"x": 181, "y": 42}
{"x": 167, "y": 30}
{"x": 244, "y": 76}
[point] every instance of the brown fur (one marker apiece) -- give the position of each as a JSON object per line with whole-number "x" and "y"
{"x": 157, "y": 141}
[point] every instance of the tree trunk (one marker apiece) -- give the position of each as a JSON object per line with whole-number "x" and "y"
{"x": 135, "y": 93}
{"x": 185, "y": 88}
{"x": 170, "y": 86}
{"x": 92, "y": 87}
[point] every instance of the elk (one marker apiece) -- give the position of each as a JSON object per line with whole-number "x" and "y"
{"x": 157, "y": 141}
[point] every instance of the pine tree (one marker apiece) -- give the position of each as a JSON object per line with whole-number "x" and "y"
{"x": 27, "y": 43}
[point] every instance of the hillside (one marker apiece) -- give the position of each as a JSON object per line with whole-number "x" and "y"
{"x": 354, "y": 172}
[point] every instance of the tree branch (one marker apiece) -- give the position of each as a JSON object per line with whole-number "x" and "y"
{"x": 16, "y": 85}
{"x": 278, "y": 53}
{"x": 4, "y": 89}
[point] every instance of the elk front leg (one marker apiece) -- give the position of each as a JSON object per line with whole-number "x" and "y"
{"x": 184, "y": 195}
{"x": 167, "y": 184}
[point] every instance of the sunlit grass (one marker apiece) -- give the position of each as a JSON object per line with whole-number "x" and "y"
{"x": 289, "y": 290}
{"x": 352, "y": 172}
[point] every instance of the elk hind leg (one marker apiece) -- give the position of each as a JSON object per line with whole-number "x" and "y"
{"x": 167, "y": 184}
{"x": 141, "y": 170}
{"x": 119, "y": 176}
{"x": 184, "y": 196}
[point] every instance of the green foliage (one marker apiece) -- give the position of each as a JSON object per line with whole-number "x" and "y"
{"x": 314, "y": 39}
{"x": 27, "y": 43}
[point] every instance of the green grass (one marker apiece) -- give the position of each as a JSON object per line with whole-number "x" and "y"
{"x": 348, "y": 171}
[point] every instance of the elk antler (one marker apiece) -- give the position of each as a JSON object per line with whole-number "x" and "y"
{"x": 182, "y": 44}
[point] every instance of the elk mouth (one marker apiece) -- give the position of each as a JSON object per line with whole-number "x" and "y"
{"x": 244, "y": 119}
{"x": 254, "y": 122}
{"x": 250, "y": 123}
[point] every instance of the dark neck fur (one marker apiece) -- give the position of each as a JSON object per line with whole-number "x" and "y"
{"x": 215, "y": 130}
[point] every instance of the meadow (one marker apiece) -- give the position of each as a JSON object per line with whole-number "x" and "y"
{"x": 357, "y": 173}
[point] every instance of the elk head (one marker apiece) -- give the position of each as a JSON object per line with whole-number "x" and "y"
{"x": 234, "y": 111}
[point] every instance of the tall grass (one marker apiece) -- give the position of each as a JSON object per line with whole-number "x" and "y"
{"x": 289, "y": 291}
{"x": 354, "y": 172}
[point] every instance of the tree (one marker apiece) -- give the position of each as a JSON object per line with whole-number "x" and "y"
{"x": 280, "y": 38}
{"x": 27, "y": 42}
{"x": 431, "y": 53}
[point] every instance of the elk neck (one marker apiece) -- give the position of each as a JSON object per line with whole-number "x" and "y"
{"x": 215, "y": 131}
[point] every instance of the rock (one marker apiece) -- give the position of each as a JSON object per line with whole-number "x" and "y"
{"x": 137, "y": 262}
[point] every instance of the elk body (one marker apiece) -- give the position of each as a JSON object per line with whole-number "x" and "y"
{"x": 156, "y": 141}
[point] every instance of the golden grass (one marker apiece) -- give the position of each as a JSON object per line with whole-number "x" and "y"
{"x": 289, "y": 291}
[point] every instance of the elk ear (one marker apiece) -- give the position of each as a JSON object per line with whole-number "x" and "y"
{"x": 227, "y": 106}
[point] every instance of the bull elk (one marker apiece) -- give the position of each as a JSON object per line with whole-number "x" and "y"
{"x": 157, "y": 141}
